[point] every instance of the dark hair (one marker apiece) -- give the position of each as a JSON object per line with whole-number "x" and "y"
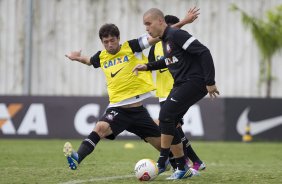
{"x": 108, "y": 30}
{"x": 171, "y": 19}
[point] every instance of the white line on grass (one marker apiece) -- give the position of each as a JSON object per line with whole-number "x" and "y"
{"x": 103, "y": 179}
{"x": 98, "y": 179}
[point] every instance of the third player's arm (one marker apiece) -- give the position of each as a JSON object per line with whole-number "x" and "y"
{"x": 191, "y": 15}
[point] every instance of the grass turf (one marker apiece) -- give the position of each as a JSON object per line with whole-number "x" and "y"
{"x": 42, "y": 161}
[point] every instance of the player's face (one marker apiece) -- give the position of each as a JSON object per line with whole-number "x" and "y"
{"x": 111, "y": 44}
{"x": 153, "y": 25}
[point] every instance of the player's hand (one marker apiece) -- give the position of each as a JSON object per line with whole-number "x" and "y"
{"x": 74, "y": 55}
{"x": 212, "y": 90}
{"x": 191, "y": 15}
{"x": 139, "y": 67}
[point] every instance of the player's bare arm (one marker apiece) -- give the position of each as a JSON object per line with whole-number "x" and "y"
{"x": 76, "y": 56}
{"x": 191, "y": 15}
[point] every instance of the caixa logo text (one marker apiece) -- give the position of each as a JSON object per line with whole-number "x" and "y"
{"x": 33, "y": 121}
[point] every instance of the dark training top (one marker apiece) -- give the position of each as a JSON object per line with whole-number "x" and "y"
{"x": 186, "y": 58}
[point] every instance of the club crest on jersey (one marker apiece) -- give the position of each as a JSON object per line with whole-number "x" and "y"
{"x": 168, "y": 48}
{"x": 169, "y": 61}
{"x": 115, "y": 61}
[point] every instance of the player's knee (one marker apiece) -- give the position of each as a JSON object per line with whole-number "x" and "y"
{"x": 167, "y": 127}
{"x": 167, "y": 118}
{"x": 103, "y": 129}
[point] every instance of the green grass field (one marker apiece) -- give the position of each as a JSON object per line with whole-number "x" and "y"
{"x": 42, "y": 161}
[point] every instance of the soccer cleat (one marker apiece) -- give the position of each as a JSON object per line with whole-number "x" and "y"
{"x": 182, "y": 174}
{"x": 187, "y": 165}
{"x": 166, "y": 168}
{"x": 72, "y": 164}
{"x": 199, "y": 166}
{"x": 71, "y": 155}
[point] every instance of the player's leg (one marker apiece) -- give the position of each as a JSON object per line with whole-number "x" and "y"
{"x": 176, "y": 146}
{"x": 144, "y": 127}
{"x": 87, "y": 146}
{"x": 171, "y": 156}
{"x": 176, "y": 105}
{"x": 198, "y": 164}
{"x": 108, "y": 127}
{"x": 188, "y": 150}
{"x": 169, "y": 135}
{"x": 154, "y": 141}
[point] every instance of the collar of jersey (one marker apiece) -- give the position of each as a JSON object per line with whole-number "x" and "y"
{"x": 165, "y": 33}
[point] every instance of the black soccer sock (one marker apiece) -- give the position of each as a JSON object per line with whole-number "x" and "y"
{"x": 180, "y": 162}
{"x": 191, "y": 154}
{"x": 187, "y": 148}
{"x": 88, "y": 145}
{"x": 172, "y": 160}
{"x": 164, "y": 153}
{"x": 183, "y": 139}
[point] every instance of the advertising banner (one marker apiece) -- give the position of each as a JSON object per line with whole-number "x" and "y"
{"x": 263, "y": 117}
{"x": 75, "y": 117}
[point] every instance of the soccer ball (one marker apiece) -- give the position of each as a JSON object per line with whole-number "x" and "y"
{"x": 146, "y": 170}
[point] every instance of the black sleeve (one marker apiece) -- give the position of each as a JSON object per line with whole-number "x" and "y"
{"x": 160, "y": 64}
{"x": 193, "y": 46}
{"x": 188, "y": 42}
{"x": 134, "y": 45}
{"x": 208, "y": 67}
{"x": 151, "y": 56}
{"x": 95, "y": 60}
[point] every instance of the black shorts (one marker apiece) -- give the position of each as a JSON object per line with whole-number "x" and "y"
{"x": 135, "y": 120}
{"x": 180, "y": 99}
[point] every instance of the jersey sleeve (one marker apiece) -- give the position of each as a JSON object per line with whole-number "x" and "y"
{"x": 188, "y": 42}
{"x": 95, "y": 60}
{"x": 193, "y": 46}
{"x": 160, "y": 64}
{"x": 139, "y": 44}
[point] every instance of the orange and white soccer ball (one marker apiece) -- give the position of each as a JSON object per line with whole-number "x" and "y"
{"x": 146, "y": 170}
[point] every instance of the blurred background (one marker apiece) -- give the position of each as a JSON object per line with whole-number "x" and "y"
{"x": 36, "y": 34}
{"x": 244, "y": 37}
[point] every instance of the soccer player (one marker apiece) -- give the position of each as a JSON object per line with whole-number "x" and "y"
{"x": 192, "y": 69}
{"x": 126, "y": 91}
{"x": 164, "y": 83}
